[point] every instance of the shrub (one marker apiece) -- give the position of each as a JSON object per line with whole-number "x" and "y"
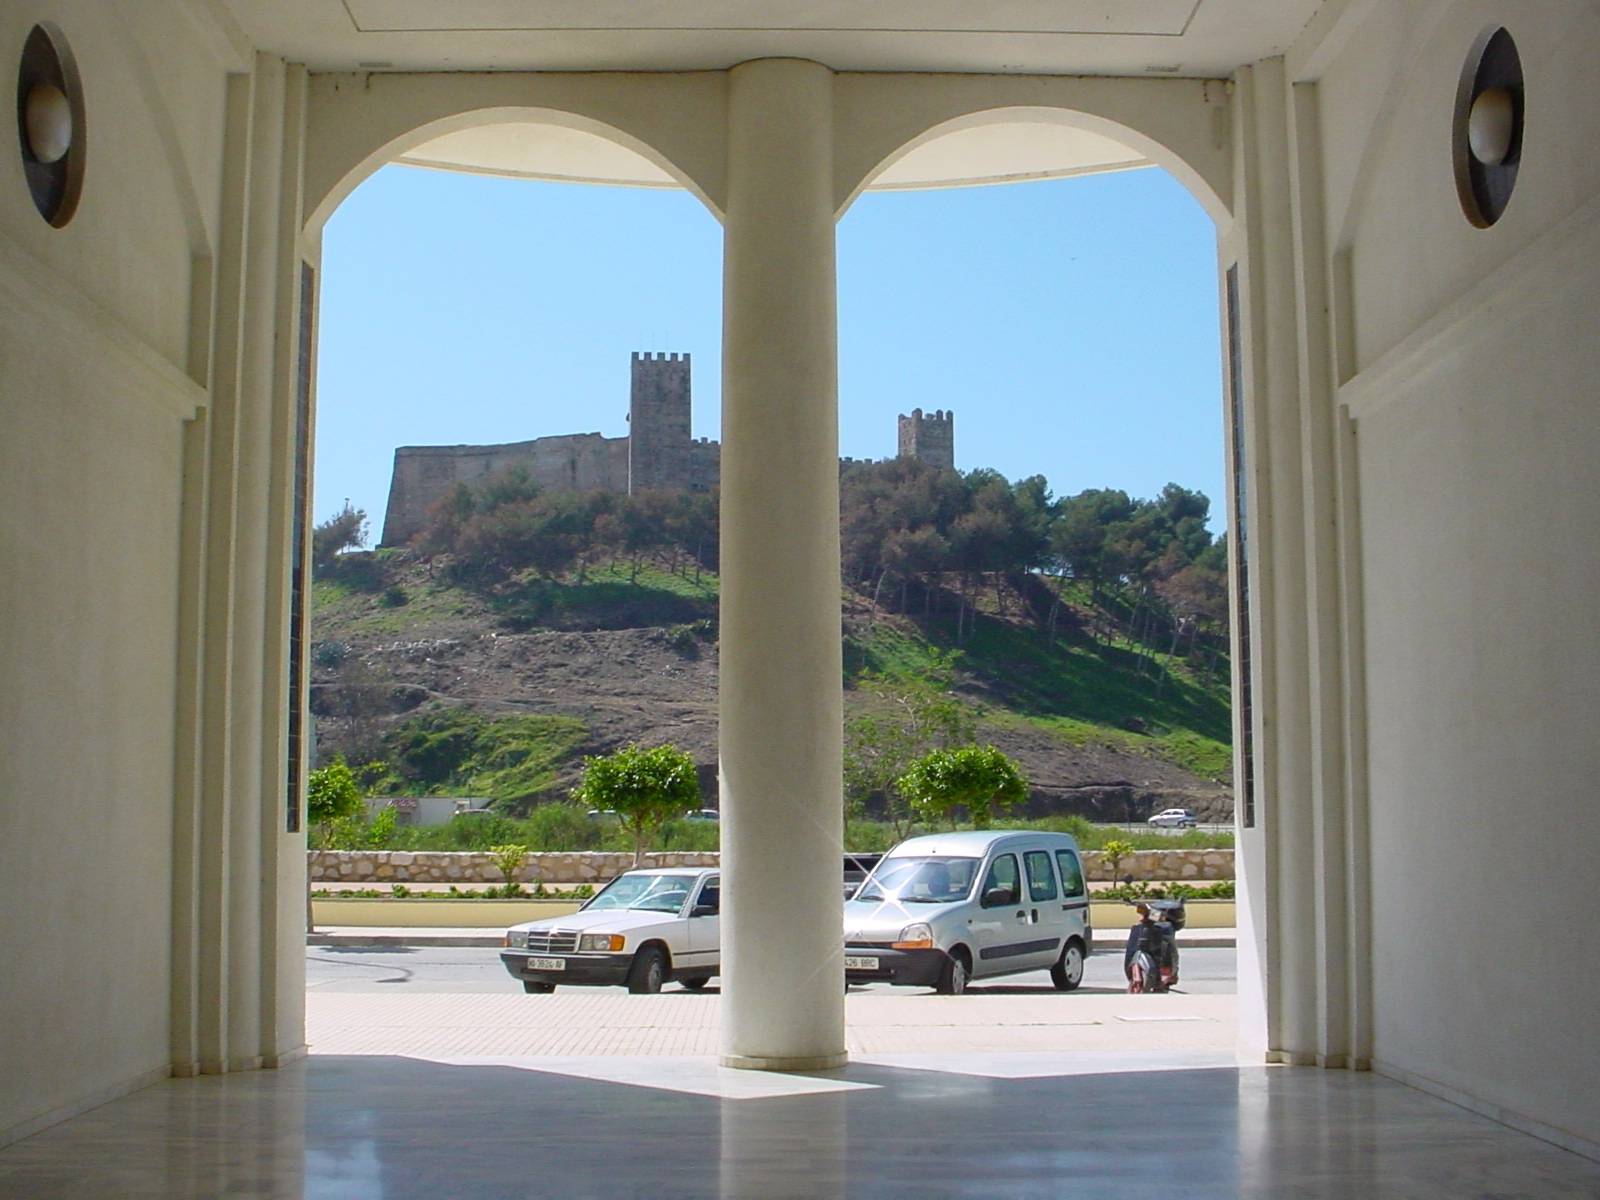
{"x": 1115, "y": 851}
{"x": 560, "y": 826}
{"x": 508, "y": 860}
{"x": 329, "y": 655}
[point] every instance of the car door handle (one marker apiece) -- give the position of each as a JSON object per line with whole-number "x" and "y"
{"x": 1036, "y": 916}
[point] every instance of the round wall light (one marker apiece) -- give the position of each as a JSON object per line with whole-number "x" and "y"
{"x": 50, "y": 127}
{"x": 1487, "y": 135}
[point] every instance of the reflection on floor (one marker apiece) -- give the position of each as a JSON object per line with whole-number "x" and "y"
{"x": 951, "y": 1125}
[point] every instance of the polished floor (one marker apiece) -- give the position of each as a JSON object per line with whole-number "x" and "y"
{"x": 1098, "y": 1126}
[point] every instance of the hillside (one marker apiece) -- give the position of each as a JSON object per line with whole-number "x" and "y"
{"x": 501, "y": 690}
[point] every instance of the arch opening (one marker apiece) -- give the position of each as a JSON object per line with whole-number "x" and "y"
{"x": 989, "y": 332}
{"x": 525, "y": 142}
{"x": 1018, "y": 143}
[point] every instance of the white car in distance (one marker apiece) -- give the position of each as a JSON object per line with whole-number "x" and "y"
{"x": 643, "y": 929}
{"x": 1173, "y": 818}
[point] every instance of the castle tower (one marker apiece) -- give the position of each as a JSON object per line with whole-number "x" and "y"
{"x": 930, "y": 438}
{"x": 658, "y": 423}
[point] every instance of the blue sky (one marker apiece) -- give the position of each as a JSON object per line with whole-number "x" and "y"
{"x": 1071, "y": 324}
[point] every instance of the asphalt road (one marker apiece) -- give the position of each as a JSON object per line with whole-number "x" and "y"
{"x": 477, "y": 969}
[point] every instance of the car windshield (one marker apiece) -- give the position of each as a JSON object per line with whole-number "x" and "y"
{"x": 937, "y": 880}
{"x": 647, "y": 890}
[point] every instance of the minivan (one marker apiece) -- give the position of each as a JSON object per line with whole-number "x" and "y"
{"x": 946, "y": 908}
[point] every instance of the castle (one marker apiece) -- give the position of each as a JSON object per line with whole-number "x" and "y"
{"x": 658, "y": 452}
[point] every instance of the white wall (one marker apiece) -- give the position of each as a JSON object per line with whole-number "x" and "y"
{"x": 94, "y": 342}
{"x": 1472, "y": 385}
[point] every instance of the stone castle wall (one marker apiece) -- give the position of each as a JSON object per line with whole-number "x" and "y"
{"x": 424, "y": 475}
{"x": 658, "y": 453}
{"x": 419, "y": 866}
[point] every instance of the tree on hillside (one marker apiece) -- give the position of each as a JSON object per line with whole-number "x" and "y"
{"x": 979, "y": 779}
{"x": 644, "y": 787}
{"x": 904, "y": 719}
{"x": 345, "y": 530}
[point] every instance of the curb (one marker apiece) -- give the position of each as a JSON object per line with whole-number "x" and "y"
{"x": 1201, "y": 940}
{"x": 420, "y": 937}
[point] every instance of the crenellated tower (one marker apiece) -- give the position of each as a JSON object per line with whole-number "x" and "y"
{"x": 931, "y": 438}
{"x": 659, "y": 445}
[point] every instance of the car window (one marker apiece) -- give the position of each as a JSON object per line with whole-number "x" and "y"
{"x": 932, "y": 880}
{"x": 1041, "y": 879}
{"x": 1071, "y": 873}
{"x": 711, "y": 894}
{"x": 656, "y": 893}
{"x": 1002, "y": 874}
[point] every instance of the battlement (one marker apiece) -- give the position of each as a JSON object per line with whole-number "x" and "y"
{"x": 646, "y": 356}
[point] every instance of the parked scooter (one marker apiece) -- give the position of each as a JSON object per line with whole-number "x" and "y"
{"x": 1151, "y": 959}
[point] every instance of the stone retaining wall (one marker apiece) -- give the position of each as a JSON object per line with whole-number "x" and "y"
{"x": 427, "y": 866}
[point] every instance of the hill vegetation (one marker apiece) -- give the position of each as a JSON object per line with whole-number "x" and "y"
{"x": 523, "y": 630}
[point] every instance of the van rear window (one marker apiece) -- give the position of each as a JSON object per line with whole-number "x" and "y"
{"x": 1041, "y": 879}
{"x": 1071, "y": 873}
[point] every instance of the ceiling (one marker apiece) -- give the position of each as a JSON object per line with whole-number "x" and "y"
{"x": 1146, "y": 38}
{"x": 1197, "y": 38}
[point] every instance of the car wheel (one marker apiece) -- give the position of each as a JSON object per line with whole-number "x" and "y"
{"x": 1067, "y": 974}
{"x": 698, "y": 982}
{"x": 537, "y": 989}
{"x": 648, "y": 971}
{"x": 953, "y": 978}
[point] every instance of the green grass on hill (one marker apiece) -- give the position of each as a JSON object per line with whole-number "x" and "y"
{"x": 609, "y": 597}
{"x": 352, "y": 610}
{"x": 1080, "y": 692}
{"x": 370, "y": 595}
{"x": 458, "y": 752}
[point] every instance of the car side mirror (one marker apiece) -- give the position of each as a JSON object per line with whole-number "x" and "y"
{"x": 998, "y": 897}
{"x": 703, "y": 910}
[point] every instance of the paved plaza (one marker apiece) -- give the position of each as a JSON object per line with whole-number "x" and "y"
{"x": 609, "y": 1022}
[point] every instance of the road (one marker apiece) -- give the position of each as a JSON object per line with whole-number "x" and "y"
{"x": 1141, "y": 827}
{"x": 432, "y": 969}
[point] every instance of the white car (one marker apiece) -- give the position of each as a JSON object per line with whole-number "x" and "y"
{"x": 642, "y": 929}
{"x": 1174, "y": 818}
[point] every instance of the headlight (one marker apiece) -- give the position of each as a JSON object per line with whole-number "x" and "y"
{"x": 606, "y": 943}
{"x": 915, "y": 937}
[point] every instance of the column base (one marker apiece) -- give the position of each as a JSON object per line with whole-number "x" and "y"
{"x": 816, "y": 1062}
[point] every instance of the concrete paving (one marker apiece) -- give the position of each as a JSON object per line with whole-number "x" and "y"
{"x": 607, "y": 1021}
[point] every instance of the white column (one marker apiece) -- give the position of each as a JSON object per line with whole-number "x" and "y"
{"x": 780, "y": 675}
{"x": 1282, "y": 901}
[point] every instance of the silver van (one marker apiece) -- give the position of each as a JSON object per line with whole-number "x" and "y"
{"x": 946, "y": 908}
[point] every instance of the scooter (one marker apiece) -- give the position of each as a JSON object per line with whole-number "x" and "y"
{"x": 1151, "y": 959}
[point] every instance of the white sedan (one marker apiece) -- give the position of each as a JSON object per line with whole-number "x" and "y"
{"x": 1174, "y": 818}
{"x": 642, "y": 929}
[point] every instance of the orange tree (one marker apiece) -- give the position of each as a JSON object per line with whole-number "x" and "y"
{"x": 645, "y": 788}
{"x": 979, "y": 779}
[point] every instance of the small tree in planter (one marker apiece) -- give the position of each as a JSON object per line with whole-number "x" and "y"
{"x": 508, "y": 860}
{"x": 978, "y": 778}
{"x": 331, "y": 795}
{"x": 645, "y": 788}
{"x": 1115, "y": 851}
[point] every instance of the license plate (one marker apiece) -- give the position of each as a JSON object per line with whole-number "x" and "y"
{"x": 856, "y": 962}
{"x": 547, "y": 964}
